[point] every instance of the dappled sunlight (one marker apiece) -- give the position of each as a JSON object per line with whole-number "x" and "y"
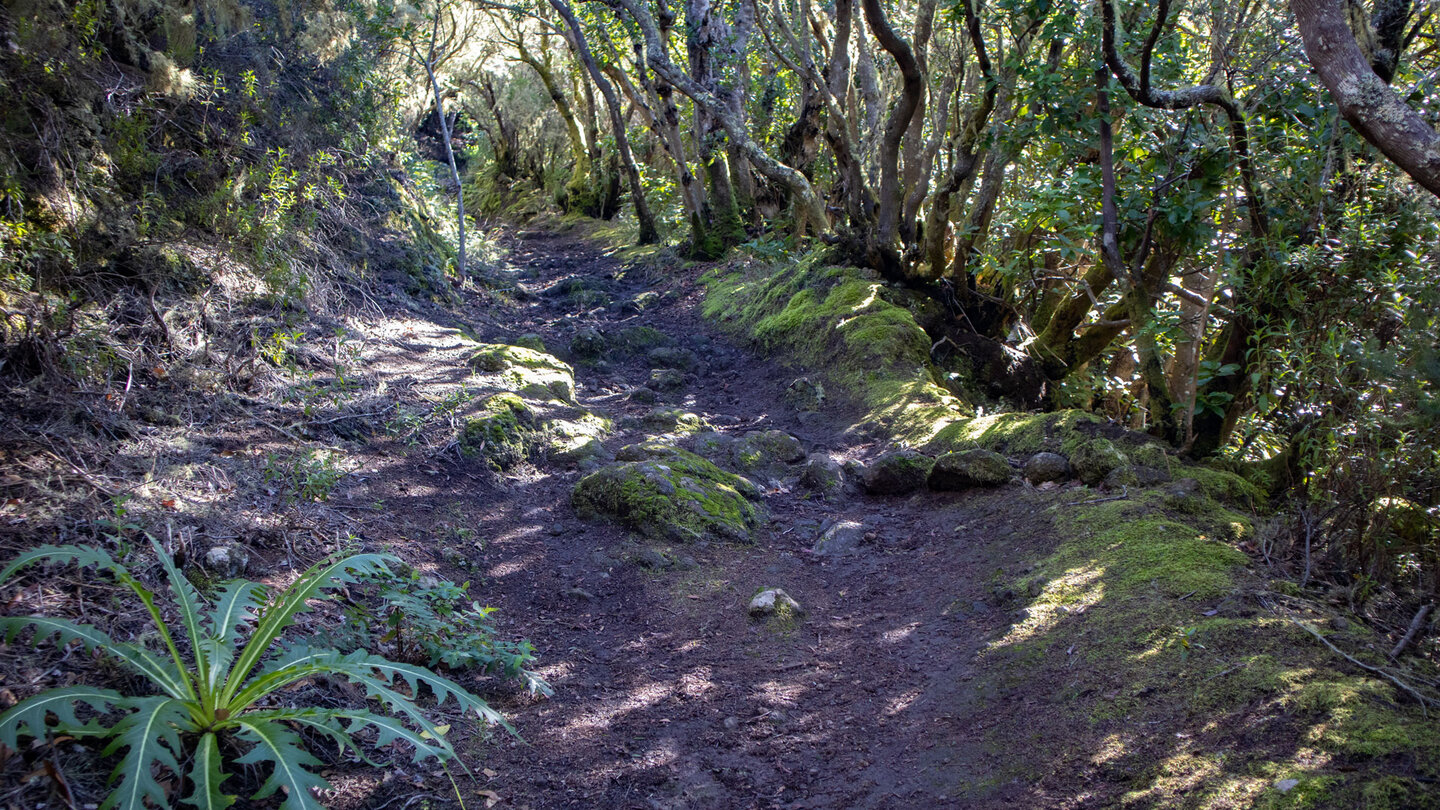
{"x": 901, "y": 702}
{"x": 898, "y": 634}
{"x": 1067, "y": 595}
{"x": 600, "y": 714}
{"x": 508, "y": 568}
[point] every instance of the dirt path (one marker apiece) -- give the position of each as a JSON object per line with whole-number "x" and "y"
{"x": 667, "y": 694}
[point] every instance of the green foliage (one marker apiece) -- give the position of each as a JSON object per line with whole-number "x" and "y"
{"x": 311, "y": 475}
{"x": 429, "y": 619}
{"x": 227, "y": 689}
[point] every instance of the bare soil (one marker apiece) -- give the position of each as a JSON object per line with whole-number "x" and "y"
{"x": 887, "y": 692}
{"x": 668, "y": 695}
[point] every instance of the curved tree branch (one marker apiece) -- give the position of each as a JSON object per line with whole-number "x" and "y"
{"x": 1364, "y": 99}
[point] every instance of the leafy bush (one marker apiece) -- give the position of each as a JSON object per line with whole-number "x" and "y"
{"x": 310, "y": 475}
{"x": 228, "y": 695}
{"x": 428, "y": 619}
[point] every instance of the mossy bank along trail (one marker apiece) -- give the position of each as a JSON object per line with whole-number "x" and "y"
{"x": 1014, "y": 610}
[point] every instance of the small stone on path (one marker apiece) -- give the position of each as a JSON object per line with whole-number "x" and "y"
{"x": 773, "y": 600}
{"x": 844, "y": 537}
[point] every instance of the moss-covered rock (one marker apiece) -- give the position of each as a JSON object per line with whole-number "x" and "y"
{"x": 969, "y": 468}
{"x": 637, "y": 340}
{"x": 1046, "y": 466}
{"x": 896, "y": 473}
{"x": 666, "y": 379}
{"x": 804, "y": 394}
{"x": 1092, "y": 460}
{"x": 576, "y": 441}
{"x": 1016, "y": 434}
{"x": 504, "y": 435}
{"x": 588, "y": 344}
{"x": 764, "y": 449}
{"x": 672, "y": 357}
{"x": 533, "y": 342}
{"x": 823, "y": 474}
{"x": 1136, "y": 475}
{"x": 713, "y": 445}
{"x": 648, "y": 449}
{"x": 672, "y": 420}
{"x": 680, "y": 497}
{"x": 533, "y": 374}
{"x": 838, "y": 321}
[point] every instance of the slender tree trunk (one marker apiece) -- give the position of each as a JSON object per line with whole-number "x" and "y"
{"x": 648, "y": 233}
{"x": 883, "y": 254}
{"x": 429, "y": 63}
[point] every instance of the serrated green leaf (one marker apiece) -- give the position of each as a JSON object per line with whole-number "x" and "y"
{"x": 322, "y": 721}
{"x": 138, "y": 658}
{"x": 236, "y": 609}
{"x": 188, "y": 600}
{"x": 151, "y": 735}
{"x": 293, "y": 601}
{"x": 206, "y": 776}
{"x": 282, "y": 747}
{"x": 31, "y": 714}
{"x": 79, "y": 555}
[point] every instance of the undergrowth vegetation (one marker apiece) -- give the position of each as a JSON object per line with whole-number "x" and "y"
{"x": 224, "y": 694}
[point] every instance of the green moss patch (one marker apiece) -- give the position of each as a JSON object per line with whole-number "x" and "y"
{"x": 1015, "y": 434}
{"x": 1188, "y": 670}
{"x": 838, "y": 322}
{"x": 533, "y": 373}
{"x": 678, "y": 497}
{"x": 504, "y": 435}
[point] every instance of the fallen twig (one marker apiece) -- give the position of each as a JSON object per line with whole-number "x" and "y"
{"x": 1123, "y": 496}
{"x": 343, "y": 417}
{"x": 1410, "y": 634}
{"x": 274, "y": 426}
{"x": 1419, "y": 698}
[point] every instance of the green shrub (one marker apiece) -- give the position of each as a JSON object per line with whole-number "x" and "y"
{"x": 428, "y": 619}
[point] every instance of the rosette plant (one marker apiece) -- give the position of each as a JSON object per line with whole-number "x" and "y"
{"x": 217, "y": 694}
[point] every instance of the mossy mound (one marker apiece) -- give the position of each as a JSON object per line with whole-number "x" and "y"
{"x": 897, "y": 472}
{"x": 679, "y": 497}
{"x": 504, "y": 435}
{"x": 765, "y": 450}
{"x": 1016, "y": 434}
{"x": 534, "y": 414}
{"x": 532, "y": 373}
{"x": 1157, "y": 616}
{"x": 1094, "y": 459}
{"x": 969, "y": 468}
{"x": 838, "y": 321}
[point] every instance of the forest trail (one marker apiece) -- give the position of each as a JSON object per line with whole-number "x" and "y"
{"x": 668, "y": 695}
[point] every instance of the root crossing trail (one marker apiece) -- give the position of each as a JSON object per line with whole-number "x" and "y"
{"x": 668, "y": 695}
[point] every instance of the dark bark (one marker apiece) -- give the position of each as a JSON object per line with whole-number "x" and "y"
{"x": 648, "y": 233}
{"x": 884, "y": 255}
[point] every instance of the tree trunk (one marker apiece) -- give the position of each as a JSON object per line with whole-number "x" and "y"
{"x": 1364, "y": 99}
{"x": 881, "y": 250}
{"x": 648, "y": 233}
{"x": 429, "y": 63}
